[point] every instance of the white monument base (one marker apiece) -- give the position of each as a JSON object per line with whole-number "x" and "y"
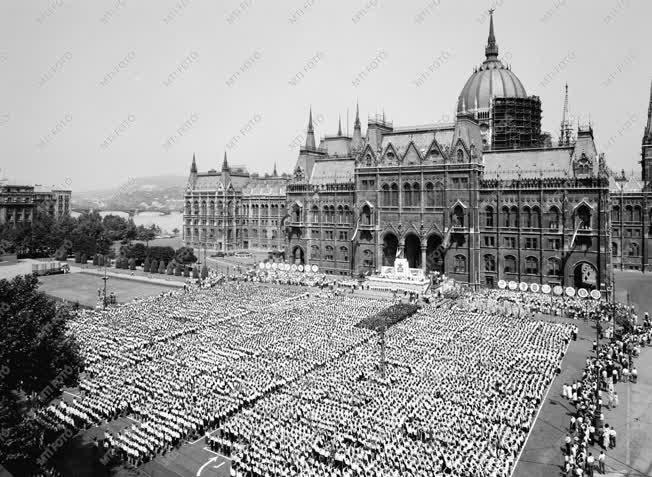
{"x": 400, "y": 277}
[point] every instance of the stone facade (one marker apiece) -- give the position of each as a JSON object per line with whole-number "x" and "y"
{"x": 443, "y": 197}
{"x": 19, "y": 203}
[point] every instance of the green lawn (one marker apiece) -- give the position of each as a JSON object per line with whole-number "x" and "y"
{"x": 83, "y": 287}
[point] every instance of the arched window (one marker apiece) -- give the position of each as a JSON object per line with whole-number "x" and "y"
{"x": 385, "y": 195}
{"x": 439, "y": 194}
{"x": 365, "y": 217}
{"x": 489, "y": 263}
{"x": 514, "y": 216}
{"x": 329, "y": 253}
{"x": 460, "y": 264}
{"x": 633, "y": 249}
{"x": 510, "y": 264}
{"x": 615, "y": 214}
{"x": 347, "y": 214}
{"x": 344, "y": 254}
{"x": 188, "y": 208}
{"x": 531, "y": 266}
{"x": 536, "y": 217}
{"x": 407, "y": 195}
{"x": 460, "y": 155}
{"x": 527, "y": 217}
{"x": 554, "y": 217}
{"x": 314, "y": 212}
{"x": 340, "y": 214}
{"x": 614, "y": 249}
{"x": 637, "y": 214}
{"x": 488, "y": 216}
{"x": 416, "y": 194}
{"x": 430, "y": 195}
{"x": 584, "y": 217}
{"x": 368, "y": 160}
{"x": 629, "y": 213}
{"x": 314, "y": 252}
{"x": 394, "y": 195}
{"x": 554, "y": 267}
{"x": 296, "y": 213}
{"x": 505, "y": 216}
{"x": 458, "y": 216}
{"x": 331, "y": 213}
{"x": 324, "y": 214}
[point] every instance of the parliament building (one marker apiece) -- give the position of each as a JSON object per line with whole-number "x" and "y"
{"x": 486, "y": 198}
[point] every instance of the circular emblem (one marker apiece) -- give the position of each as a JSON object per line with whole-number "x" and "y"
{"x": 522, "y": 286}
{"x": 300, "y": 268}
{"x": 293, "y": 267}
{"x": 513, "y": 285}
{"x": 535, "y": 287}
{"x": 502, "y": 284}
{"x": 570, "y": 291}
{"x": 558, "y": 290}
{"x": 582, "y": 293}
{"x": 274, "y": 265}
{"x": 315, "y": 268}
{"x": 268, "y": 266}
{"x": 261, "y": 265}
{"x": 545, "y": 288}
{"x": 595, "y": 294}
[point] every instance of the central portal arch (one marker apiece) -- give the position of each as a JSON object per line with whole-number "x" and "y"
{"x": 435, "y": 254}
{"x": 585, "y": 276}
{"x": 390, "y": 246}
{"x": 413, "y": 251}
{"x": 298, "y": 256}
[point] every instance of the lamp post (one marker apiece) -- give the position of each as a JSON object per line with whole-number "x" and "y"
{"x": 105, "y": 278}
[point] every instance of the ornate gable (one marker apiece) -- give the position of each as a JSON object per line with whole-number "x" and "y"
{"x": 411, "y": 155}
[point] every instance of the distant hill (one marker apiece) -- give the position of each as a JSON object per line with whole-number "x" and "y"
{"x": 161, "y": 193}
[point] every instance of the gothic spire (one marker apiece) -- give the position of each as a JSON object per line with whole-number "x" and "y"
{"x": 356, "y": 124}
{"x": 339, "y": 126}
{"x": 310, "y": 137}
{"x": 357, "y": 130}
{"x": 225, "y": 164}
{"x": 491, "y": 51}
{"x": 648, "y": 129}
{"x": 193, "y": 167}
{"x": 275, "y": 174}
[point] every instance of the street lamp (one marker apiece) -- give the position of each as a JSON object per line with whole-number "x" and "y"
{"x": 105, "y": 278}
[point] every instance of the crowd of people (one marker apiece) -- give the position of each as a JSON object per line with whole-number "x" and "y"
{"x": 519, "y": 303}
{"x": 593, "y": 393}
{"x": 278, "y": 378}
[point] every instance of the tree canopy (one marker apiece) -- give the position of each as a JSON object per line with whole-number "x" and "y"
{"x": 38, "y": 358}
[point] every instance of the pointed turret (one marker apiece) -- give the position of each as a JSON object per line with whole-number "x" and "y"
{"x": 491, "y": 51}
{"x": 192, "y": 178}
{"x": 193, "y": 167}
{"x": 647, "y": 139}
{"x": 357, "y": 130}
{"x": 225, "y": 163}
{"x": 274, "y": 173}
{"x": 339, "y": 126}
{"x": 310, "y": 136}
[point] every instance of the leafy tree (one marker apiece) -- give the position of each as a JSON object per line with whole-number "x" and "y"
{"x": 195, "y": 273}
{"x": 77, "y": 257}
{"x": 115, "y": 227}
{"x": 84, "y": 258}
{"x": 175, "y": 231}
{"x": 185, "y": 255}
{"x": 38, "y": 358}
{"x": 186, "y": 271}
{"x": 170, "y": 268}
{"x": 146, "y": 265}
{"x": 96, "y": 259}
{"x": 161, "y": 253}
{"x": 178, "y": 270}
{"x": 161, "y": 267}
{"x": 146, "y": 234}
{"x": 132, "y": 264}
{"x": 153, "y": 267}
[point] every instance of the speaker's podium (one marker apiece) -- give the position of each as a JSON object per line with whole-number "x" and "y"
{"x": 399, "y": 277}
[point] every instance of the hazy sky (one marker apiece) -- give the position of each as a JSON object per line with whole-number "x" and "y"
{"x": 95, "y": 92}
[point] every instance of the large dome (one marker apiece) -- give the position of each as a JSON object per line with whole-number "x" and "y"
{"x": 491, "y": 79}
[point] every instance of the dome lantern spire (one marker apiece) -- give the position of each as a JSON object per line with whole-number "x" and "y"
{"x": 491, "y": 51}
